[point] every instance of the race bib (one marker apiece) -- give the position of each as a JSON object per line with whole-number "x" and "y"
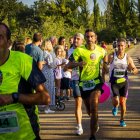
{"x": 119, "y": 73}
{"x": 120, "y": 80}
{"x": 8, "y": 122}
{"x": 88, "y": 85}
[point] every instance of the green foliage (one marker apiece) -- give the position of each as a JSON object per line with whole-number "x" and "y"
{"x": 107, "y": 35}
{"x": 52, "y": 26}
{"x": 123, "y": 17}
{"x": 8, "y": 9}
{"x": 138, "y": 8}
{"x": 66, "y": 17}
{"x": 96, "y": 12}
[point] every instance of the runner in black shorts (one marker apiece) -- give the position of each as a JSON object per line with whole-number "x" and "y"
{"x": 120, "y": 62}
{"x": 88, "y": 58}
{"x": 77, "y": 42}
{"x": 86, "y": 94}
{"x": 120, "y": 89}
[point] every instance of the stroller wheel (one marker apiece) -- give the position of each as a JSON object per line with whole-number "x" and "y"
{"x": 60, "y": 105}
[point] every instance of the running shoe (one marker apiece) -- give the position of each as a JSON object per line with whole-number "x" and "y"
{"x": 49, "y": 111}
{"x": 122, "y": 123}
{"x": 115, "y": 111}
{"x": 97, "y": 128}
{"x": 79, "y": 131}
{"x": 67, "y": 98}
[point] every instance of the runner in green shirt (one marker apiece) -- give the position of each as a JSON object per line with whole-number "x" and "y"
{"x": 14, "y": 121}
{"x": 89, "y": 58}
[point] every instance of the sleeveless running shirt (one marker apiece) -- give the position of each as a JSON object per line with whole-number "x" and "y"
{"x": 118, "y": 69}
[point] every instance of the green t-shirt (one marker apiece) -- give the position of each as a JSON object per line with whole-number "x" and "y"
{"x": 14, "y": 121}
{"x": 17, "y": 65}
{"x": 93, "y": 58}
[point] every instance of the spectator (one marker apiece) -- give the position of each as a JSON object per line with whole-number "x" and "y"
{"x": 128, "y": 43}
{"x": 48, "y": 71}
{"x": 34, "y": 50}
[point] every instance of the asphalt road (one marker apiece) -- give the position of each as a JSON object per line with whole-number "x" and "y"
{"x": 61, "y": 124}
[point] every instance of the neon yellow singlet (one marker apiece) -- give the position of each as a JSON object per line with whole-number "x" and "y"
{"x": 92, "y": 58}
{"x": 14, "y": 115}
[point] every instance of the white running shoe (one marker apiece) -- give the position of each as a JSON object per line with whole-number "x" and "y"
{"x": 97, "y": 128}
{"x": 49, "y": 111}
{"x": 79, "y": 131}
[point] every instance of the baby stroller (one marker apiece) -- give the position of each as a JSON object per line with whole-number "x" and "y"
{"x": 59, "y": 104}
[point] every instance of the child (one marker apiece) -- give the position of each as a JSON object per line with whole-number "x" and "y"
{"x": 65, "y": 81}
{"x": 58, "y": 69}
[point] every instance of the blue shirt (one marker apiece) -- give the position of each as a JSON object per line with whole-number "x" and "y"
{"x": 35, "y": 52}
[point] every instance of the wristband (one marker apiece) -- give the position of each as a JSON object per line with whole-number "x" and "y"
{"x": 15, "y": 97}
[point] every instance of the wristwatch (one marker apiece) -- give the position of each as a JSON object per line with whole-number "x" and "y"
{"x": 15, "y": 97}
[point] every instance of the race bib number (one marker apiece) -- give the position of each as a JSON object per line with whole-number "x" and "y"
{"x": 8, "y": 122}
{"x": 88, "y": 85}
{"x": 120, "y": 80}
{"x": 119, "y": 73}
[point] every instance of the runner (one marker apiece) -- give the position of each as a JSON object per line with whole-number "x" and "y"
{"x": 89, "y": 57}
{"x": 120, "y": 62}
{"x": 77, "y": 42}
{"x": 14, "y": 121}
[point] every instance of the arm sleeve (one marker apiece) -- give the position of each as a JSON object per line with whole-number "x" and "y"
{"x": 76, "y": 55}
{"x": 30, "y": 71}
{"x": 40, "y": 55}
{"x": 36, "y": 77}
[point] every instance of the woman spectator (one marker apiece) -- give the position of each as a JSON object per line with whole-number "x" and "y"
{"x": 47, "y": 70}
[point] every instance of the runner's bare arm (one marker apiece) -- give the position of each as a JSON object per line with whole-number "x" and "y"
{"x": 40, "y": 64}
{"x": 41, "y": 96}
{"x": 105, "y": 64}
{"x": 74, "y": 64}
{"x": 131, "y": 66}
{"x": 110, "y": 58}
{"x": 105, "y": 69}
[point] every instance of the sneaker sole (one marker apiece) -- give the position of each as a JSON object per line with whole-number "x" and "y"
{"x": 97, "y": 129}
{"x": 79, "y": 134}
{"x": 123, "y": 126}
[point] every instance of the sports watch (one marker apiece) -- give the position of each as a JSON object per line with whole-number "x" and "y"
{"x": 15, "y": 97}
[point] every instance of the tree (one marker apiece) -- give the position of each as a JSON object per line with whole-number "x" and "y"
{"x": 123, "y": 17}
{"x": 138, "y": 9}
{"x": 96, "y": 12}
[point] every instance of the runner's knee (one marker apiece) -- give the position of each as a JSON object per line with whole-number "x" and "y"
{"x": 122, "y": 100}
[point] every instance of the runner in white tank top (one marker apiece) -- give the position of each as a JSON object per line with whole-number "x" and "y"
{"x": 120, "y": 62}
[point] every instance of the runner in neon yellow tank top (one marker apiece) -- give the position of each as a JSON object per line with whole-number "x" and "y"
{"x": 14, "y": 121}
{"x": 89, "y": 58}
